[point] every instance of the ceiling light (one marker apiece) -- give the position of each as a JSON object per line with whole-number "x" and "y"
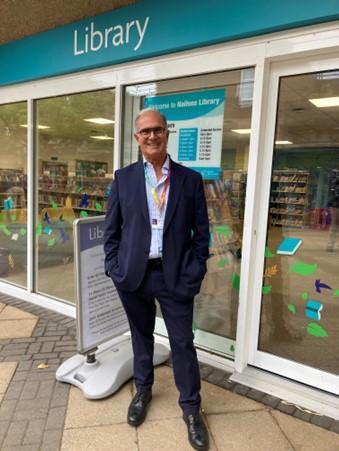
{"x": 102, "y": 137}
{"x": 242, "y": 131}
{"x": 283, "y": 142}
{"x": 325, "y": 102}
{"x": 40, "y": 127}
{"x": 99, "y": 120}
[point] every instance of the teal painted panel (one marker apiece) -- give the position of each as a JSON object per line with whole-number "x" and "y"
{"x": 151, "y": 28}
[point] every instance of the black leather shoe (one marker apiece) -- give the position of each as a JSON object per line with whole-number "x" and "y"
{"x": 138, "y": 408}
{"x": 197, "y": 431}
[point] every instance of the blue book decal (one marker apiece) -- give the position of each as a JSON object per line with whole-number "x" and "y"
{"x": 289, "y": 246}
{"x": 313, "y": 309}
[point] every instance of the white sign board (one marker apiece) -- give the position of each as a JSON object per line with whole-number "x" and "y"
{"x": 100, "y": 315}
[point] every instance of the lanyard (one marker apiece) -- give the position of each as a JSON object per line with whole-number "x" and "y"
{"x": 158, "y": 202}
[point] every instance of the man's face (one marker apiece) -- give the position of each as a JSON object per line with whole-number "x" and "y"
{"x": 152, "y": 136}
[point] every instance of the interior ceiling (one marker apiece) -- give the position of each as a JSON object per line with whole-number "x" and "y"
{"x": 20, "y": 18}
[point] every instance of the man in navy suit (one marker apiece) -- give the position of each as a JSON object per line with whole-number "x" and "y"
{"x": 156, "y": 246}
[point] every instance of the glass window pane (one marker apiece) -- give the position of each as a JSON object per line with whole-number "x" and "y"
{"x": 75, "y": 158}
{"x": 300, "y": 305}
{"x": 222, "y": 151}
{"x": 13, "y": 193}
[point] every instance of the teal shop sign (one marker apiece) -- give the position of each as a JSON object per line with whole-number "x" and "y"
{"x": 150, "y": 28}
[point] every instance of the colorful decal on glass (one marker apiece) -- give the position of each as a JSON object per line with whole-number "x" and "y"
{"x": 303, "y": 269}
{"x": 54, "y": 205}
{"x": 289, "y": 246}
{"x": 46, "y": 218}
{"x": 268, "y": 252}
{"x": 304, "y": 295}
{"x": 232, "y": 348}
{"x": 266, "y": 289}
{"x": 224, "y": 230}
{"x": 235, "y": 280}
{"x": 319, "y": 286}
{"x": 222, "y": 263}
{"x": 8, "y": 203}
{"x": 47, "y": 230}
{"x": 15, "y": 237}
{"x": 84, "y": 202}
{"x": 5, "y": 230}
{"x": 292, "y": 308}
{"x": 22, "y": 231}
{"x": 83, "y": 214}
{"x": 316, "y": 330}
{"x": 51, "y": 242}
{"x": 64, "y": 236}
{"x": 313, "y": 309}
{"x": 13, "y": 217}
{"x": 336, "y": 293}
{"x": 271, "y": 271}
{"x": 2, "y": 217}
{"x": 98, "y": 206}
{"x": 38, "y": 229}
{"x": 68, "y": 202}
{"x": 194, "y": 327}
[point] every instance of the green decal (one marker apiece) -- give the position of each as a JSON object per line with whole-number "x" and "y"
{"x": 266, "y": 289}
{"x": 194, "y": 327}
{"x": 222, "y": 262}
{"x": 316, "y": 330}
{"x": 232, "y": 349}
{"x": 268, "y": 252}
{"x": 223, "y": 230}
{"x": 38, "y": 229}
{"x": 5, "y": 229}
{"x": 98, "y": 206}
{"x": 13, "y": 217}
{"x": 304, "y": 295}
{"x": 304, "y": 269}
{"x": 336, "y": 293}
{"x": 22, "y": 231}
{"x": 2, "y": 217}
{"x": 235, "y": 280}
{"x": 54, "y": 205}
{"x": 83, "y": 214}
{"x": 292, "y": 308}
{"x": 51, "y": 242}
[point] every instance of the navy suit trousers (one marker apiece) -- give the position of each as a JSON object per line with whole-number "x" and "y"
{"x": 178, "y": 316}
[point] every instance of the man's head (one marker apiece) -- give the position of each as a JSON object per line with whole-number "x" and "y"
{"x": 151, "y": 134}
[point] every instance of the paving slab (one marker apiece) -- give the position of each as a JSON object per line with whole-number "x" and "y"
{"x": 82, "y": 412}
{"x": 10, "y": 312}
{"x": 247, "y": 431}
{"x": 7, "y": 370}
{"x": 17, "y": 328}
{"x": 116, "y": 437}
{"x": 165, "y": 435}
{"x": 305, "y": 436}
{"x": 218, "y": 400}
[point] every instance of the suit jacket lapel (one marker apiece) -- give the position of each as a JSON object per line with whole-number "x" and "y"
{"x": 176, "y": 183}
{"x": 141, "y": 195}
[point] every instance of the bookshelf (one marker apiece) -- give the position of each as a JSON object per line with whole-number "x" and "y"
{"x": 289, "y": 199}
{"x": 13, "y": 186}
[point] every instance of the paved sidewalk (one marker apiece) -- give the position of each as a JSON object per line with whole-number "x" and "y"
{"x": 39, "y": 413}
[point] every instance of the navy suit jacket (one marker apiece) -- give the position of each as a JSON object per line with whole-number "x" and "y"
{"x": 127, "y": 234}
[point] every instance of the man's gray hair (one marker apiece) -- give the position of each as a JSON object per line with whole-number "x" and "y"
{"x": 154, "y": 110}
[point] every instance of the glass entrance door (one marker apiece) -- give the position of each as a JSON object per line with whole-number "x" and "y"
{"x": 209, "y": 119}
{"x": 299, "y": 319}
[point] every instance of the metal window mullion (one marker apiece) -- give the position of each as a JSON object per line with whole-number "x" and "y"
{"x": 30, "y": 196}
{"x": 117, "y": 128}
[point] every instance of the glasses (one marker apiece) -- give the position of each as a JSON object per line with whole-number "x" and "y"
{"x": 146, "y": 132}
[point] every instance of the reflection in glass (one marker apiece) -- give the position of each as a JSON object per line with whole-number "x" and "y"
{"x": 300, "y": 308}
{"x": 75, "y": 155}
{"x": 13, "y": 193}
{"x": 217, "y": 304}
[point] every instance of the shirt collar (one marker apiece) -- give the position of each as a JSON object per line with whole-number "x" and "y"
{"x": 165, "y": 166}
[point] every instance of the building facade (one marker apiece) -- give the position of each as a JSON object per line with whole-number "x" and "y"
{"x": 252, "y": 100}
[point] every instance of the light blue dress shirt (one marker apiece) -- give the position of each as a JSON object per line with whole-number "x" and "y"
{"x": 156, "y": 216}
